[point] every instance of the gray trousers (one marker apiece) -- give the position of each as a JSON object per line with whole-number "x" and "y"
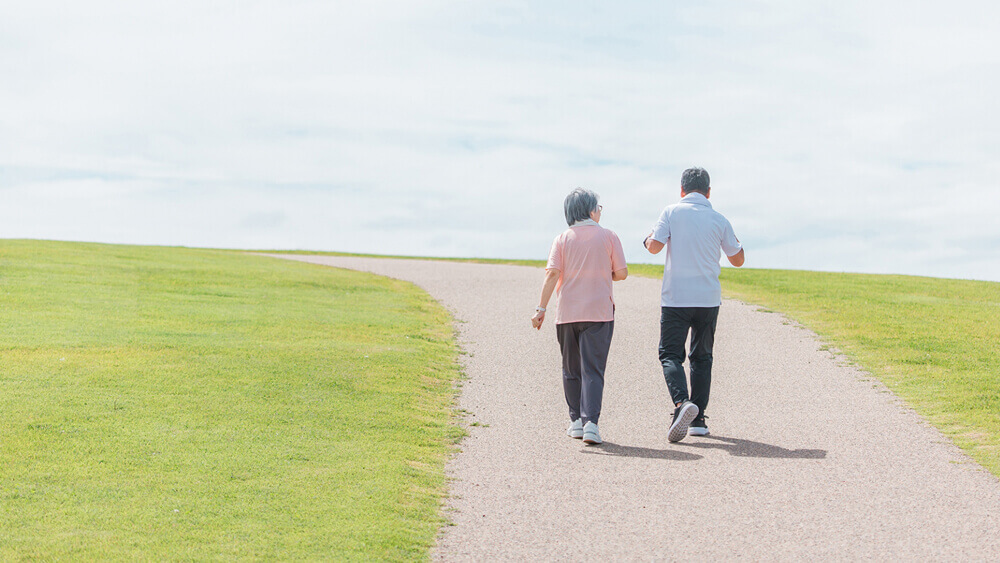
{"x": 585, "y": 354}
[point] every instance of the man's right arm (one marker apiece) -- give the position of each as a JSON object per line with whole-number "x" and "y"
{"x": 652, "y": 245}
{"x": 658, "y": 237}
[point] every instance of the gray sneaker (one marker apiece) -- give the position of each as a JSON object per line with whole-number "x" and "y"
{"x": 590, "y": 434}
{"x": 575, "y": 430}
{"x": 683, "y": 415}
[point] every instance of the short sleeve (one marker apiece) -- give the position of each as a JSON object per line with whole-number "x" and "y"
{"x": 661, "y": 232}
{"x": 555, "y": 255}
{"x": 730, "y": 244}
{"x": 617, "y": 253}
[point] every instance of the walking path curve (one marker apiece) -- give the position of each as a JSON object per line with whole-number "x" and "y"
{"x": 807, "y": 458}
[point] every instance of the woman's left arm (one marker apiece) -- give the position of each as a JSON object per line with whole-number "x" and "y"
{"x": 617, "y": 255}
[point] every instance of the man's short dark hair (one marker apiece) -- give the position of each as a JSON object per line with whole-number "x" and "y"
{"x": 695, "y": 180}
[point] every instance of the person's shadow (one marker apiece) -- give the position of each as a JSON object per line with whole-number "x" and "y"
{"x": 748, "y": 448}
{"x": 609, "y": 448}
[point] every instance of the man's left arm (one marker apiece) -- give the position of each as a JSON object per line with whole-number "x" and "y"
{"x": 732, "y": 246}
{"x": 737, "y": 259}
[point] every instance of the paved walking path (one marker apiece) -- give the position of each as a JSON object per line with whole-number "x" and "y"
{"x": 808, "y": 458}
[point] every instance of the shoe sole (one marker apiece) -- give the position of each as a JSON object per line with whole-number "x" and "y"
{"x": 576, "y": 435}
{"x": 591, "y": 439}
{"x": 679, "y": 429}
{"x": 695, "y": 431}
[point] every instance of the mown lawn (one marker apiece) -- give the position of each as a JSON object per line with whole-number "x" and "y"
{"x": 935, "y": 342}
{"x": 166, "y": 403}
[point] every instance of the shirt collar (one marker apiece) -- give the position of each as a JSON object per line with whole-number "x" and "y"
{"x": 584, "y": 223}
{"x": 696, "y": 199}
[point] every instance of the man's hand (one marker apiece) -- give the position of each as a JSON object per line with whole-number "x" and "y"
{"x": 536, "y": 321}
{"x": 652, "y": 245}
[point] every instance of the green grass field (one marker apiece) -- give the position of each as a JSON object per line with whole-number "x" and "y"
{"x": 935, "y": 342}
{"x": 166, "y": 403}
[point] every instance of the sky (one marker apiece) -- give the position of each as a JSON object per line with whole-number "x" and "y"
{"x": 840, "y": 136}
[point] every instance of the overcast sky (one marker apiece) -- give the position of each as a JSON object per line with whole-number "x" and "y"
{"x": 840, "y": 136}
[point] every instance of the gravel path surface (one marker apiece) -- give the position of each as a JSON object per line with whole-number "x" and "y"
{"x": 807, "y": 458}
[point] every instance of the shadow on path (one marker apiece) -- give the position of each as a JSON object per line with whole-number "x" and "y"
{"x": 608, "y": 448}
{"x": 749, "y": 448}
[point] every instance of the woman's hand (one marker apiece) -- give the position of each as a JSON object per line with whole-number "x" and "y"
{"x": 552, "y": 276}
{"x": 536, "y": 321}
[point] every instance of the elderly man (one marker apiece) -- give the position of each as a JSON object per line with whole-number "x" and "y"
{"x": 693, "y": 234}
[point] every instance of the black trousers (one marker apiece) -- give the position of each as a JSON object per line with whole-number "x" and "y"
{"x": 675, "y": 324}
{"x": 585, "y": 349}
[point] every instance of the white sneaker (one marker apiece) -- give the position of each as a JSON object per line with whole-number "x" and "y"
{"x": 683, "y": 416}
{"x": 575, "y": 429}
{"x": 590, "y": 434}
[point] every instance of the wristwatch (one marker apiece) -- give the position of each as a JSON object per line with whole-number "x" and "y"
{"x": 539, "y": 309}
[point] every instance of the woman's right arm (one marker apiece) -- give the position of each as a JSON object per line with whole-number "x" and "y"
{"x": 551, "y": 279}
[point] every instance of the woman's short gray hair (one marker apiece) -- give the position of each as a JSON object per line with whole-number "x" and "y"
{"x": 579, "y": 204}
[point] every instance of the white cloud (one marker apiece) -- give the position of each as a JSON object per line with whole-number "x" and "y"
{"x": 840, "y": 136}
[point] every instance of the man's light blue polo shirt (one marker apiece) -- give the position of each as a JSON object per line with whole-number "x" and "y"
{"x": 694, "y": 236}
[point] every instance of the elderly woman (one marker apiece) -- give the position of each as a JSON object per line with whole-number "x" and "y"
{"x": 583, "y": 262}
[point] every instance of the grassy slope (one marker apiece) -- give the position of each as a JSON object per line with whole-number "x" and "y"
{"x": 170, "y": 403}
{"x": 516, "y": 262}
{"x": 935, "y": 342}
